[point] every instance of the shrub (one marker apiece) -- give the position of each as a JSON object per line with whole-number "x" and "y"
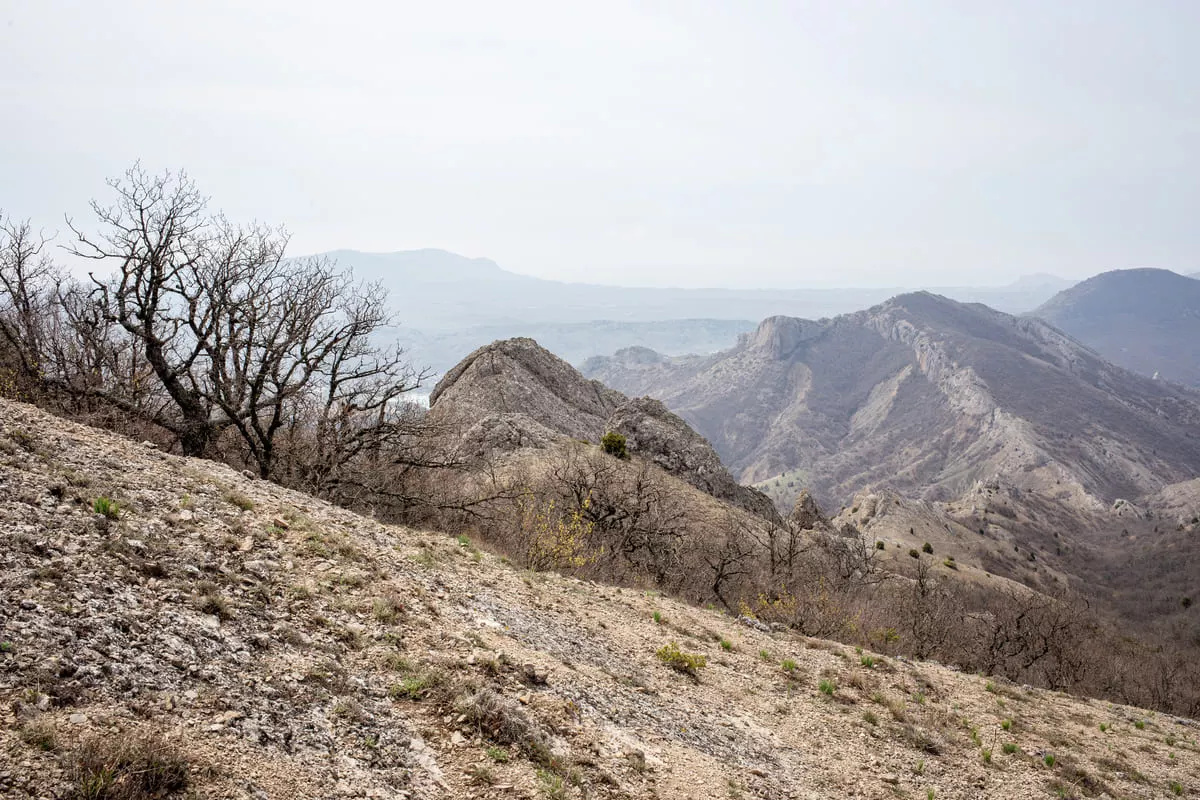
{"x": 614, "y": 444}
{"x": 504, "y": 722}
{"x": 827, "y": 687}
{"x": 240, "y": 500}
{"x": 128, "y": 768}
{"x": 40, "y": 734}
{"x": 788, "y": 665}
{"x": 1139, "y": 724}
{"x": 867, "y": 661}
{"x": 107, "y": 507}
{"x": 1009, "y": 748}
{"x": 1048, "y": 760}
{"x": 726, "y": 645}
{"x": 1176, "y": 788}
{"x": 880, "y": 546}
{"x": 678, "y": 660}
{"x": 914, "y": 553}
{"x": 927, "y": 548}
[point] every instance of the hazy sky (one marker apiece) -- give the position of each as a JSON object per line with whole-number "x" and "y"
{"x": 756, "y": 143}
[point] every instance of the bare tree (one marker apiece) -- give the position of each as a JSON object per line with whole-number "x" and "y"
{"x": 29, "y": 281}
{"x": 235, "y": 335}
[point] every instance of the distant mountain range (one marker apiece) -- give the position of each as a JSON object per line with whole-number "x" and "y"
{"x": 1147, "y": 320}
{"x": 925, "y": 396}
{"x": 449, "y": 305}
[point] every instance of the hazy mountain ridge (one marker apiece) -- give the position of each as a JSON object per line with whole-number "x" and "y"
{"x": 925, "y": 396}
{"x": 448, "y": 305}
{"x": 1146, "y": 320}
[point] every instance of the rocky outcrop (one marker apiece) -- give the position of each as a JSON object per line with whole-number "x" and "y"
{"x": 806, "y": 514}
{"x": 518, "y": 377}
{"x": 654, "y": 433}
{"x": 514, "y": 394}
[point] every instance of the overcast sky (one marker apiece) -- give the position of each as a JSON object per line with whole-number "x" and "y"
{"x": 757, "y": 143}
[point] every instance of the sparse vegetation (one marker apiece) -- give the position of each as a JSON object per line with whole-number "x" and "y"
{"x": 134, "y": 767}
{"x": 678, "y": 660}
{"x": 614, "y": 444}
{"x": 106, "y": 507}
{"x": 238, "y": 500}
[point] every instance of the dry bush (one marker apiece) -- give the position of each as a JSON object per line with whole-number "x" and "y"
{"x": 133, "y": 767}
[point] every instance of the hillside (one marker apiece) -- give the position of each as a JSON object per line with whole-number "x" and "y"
{"x": 924, "y": 396}
{"x": 224, "y": 637}
{"x": 1146, "y": 320}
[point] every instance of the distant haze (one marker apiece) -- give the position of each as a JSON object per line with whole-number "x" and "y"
{"x": 779, "y": 143}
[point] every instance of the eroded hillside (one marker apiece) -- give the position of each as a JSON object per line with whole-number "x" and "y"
{"x": 260, "y": 643}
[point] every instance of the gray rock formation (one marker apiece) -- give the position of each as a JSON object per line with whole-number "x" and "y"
{"x": 653, "y": 432}
{"x": 514, "y": 394}
{"x": 518, "y": 377}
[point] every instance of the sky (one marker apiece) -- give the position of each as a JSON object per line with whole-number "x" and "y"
{"x": 766, "y": 143}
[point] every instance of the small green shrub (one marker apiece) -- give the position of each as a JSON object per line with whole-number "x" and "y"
{"x": 106, "y": 507}
{"x": 765, "y": 655}
{"x": 927, "y": 548}
{"x": 1006, "y": 724}
{"x": 1140, "y": 724}
{"x": 880, "y": 546}
{"x": 498, "y": 754}
{"x": 678, "y": 660}
{"x": 914, "y": 553}
{"x": 1048, "y": 760}
{"x": 1176, "y": 788}
{"x": 788, "y": 665}
{"x": 827, "y": 687}
{"x": 1009, "y": 748}
{"x": 867, "y": 661}
{"x": 986, "y": 755}
{"x": 659, "y": 618}
{"x": 614, "y": 444}
{"x": 726, "y": 645}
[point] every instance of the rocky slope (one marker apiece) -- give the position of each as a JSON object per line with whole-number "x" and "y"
{"x": 261, "y": 643}
{"x": 1146, "y": 320}
{"x": 514, "y": 394}
{"x": 924, "y": 396}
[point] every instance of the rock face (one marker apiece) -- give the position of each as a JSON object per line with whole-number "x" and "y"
{"x": 653, "y": 432}
{"x": 806, "y": 515}
{"x": 925, "y": 396}
{"x": 518, "y": 377}
{"x": 1146, "y": 320}
{"x": 514, "y": 394}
